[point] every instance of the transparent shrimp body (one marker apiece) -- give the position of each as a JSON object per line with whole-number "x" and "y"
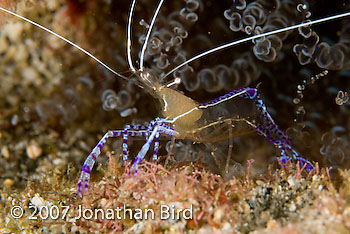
{"x": 239, "y": 110}
{"x": 244, "y": 108}
{"x": 174, "y": 104}
{"x": 184, "y": 117}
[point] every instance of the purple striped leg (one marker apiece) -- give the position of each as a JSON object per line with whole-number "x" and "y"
{"x": 284, "y": 157}
{"x": 267, "y": 127}
{"x": 155, "y": 128}
{"x": 156, "y": 147}
{"x": 125, "y": 143}
{"x": 138, "y": 130}
{"x": 90, "y": 161}
{"x": 129, "y": 130}
{"x": 264, "y": 124}
{"x": 159, "y": 128}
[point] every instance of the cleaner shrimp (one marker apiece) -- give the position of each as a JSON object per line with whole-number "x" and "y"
{"x": 185, "y": 118}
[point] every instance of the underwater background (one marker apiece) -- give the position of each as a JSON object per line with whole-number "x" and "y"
{"x": 56, "y": 103}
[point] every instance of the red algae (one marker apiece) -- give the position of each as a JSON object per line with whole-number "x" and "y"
{"x": 52, "y": 113}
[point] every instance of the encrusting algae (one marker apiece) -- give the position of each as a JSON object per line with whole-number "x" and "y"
{"x": 286, "y": 200}
{"x": 54, "y": 108}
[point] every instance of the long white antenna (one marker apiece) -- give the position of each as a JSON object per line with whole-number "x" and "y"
{"x": 128, "y": 43}
{"x": 66, "y": 40}
{"x": 144, "y": 46}
{"x": 230, "y": 44}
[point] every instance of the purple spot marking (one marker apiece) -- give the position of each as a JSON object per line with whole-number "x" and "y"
{"x": 86, "y": 185}
{"x": 303, "y": 161}
{"x": 252, "y": 92}
{"x": 79, "y": 187}
{"x": 116, "y": 134}
{"x": 284, "y": 159}
{"x": 86, "y": 169}
{"x": 137, "y": 161}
